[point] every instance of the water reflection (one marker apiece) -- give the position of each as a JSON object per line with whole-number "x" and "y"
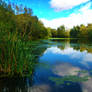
{"x": 63, "y": 69}
{"x": 87, "y": 86}
{"x": 14, "y": 84}
{"x": 70, "y": 61}
{"x": 68, "y": 53}
{"x": 21, "y": 85}
{"x": 67, "y": 60}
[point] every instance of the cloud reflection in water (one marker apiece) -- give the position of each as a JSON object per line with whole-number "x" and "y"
{"x": 55, "y": 54}
{"x": 63, "y": 59}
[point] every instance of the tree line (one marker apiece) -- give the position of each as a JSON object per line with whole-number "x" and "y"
{"x": 81, "y": 31}
{"x": 20, "y": 20}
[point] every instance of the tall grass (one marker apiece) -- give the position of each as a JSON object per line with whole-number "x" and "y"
{"x": 16, "y": 56}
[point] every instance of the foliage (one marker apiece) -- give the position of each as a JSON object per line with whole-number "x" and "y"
{"x": 16, "y": 51}
{"x": 16, "y": 57}
{"x": 81, "y": 31}
{"x": 61, "y": 31}
{"x": 74, "y": 32}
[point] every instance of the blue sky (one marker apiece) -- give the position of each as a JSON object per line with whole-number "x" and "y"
{"x": 43, "y": 9}
{"x": 54, "y": 13}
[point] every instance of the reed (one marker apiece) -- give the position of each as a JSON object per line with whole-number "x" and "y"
{"x": 16, "y": 57}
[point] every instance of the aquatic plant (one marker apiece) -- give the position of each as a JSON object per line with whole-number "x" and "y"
{"x": 71, "y": 78}
{"x": 16, "y": 56}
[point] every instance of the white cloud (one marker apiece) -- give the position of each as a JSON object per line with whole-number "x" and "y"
{"x": 83, "y": 17}
{"x": 65, "y": 4}
{"x": 65, "y": 69}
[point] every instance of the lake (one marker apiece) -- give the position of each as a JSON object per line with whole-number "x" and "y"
{"x": 63, "y": 66}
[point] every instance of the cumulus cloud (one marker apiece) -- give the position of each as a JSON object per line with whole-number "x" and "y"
{"x": 84, "y": 16}
{"x": 65, "y": 4}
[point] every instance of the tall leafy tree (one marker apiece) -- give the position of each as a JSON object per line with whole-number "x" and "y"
{"x": 61, "y": 31}
{"x": 75, "y": 31}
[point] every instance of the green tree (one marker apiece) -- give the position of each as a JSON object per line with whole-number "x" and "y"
{"x": 74, "y": 32}
{"x": 61, "y": 31}
{"x": 83, "y": 31}
{"x": 89, "y": 30}
{"x": 54, "y": 32}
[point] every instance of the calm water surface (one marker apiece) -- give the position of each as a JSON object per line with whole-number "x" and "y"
{"x": 64, "y": 66}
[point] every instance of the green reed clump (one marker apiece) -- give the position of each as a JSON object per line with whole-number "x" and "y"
{"x": 16, "y": 57}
